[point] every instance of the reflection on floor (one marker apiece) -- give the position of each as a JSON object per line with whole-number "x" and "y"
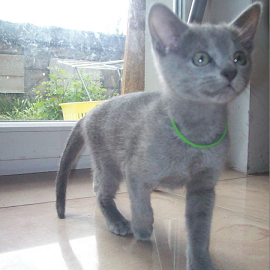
{"x": 32, "y": 237}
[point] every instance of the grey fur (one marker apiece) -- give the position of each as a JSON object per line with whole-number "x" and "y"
{"x": 131, "y": 137}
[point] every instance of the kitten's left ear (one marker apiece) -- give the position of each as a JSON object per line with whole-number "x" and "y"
{"x": 165, "y": 29}
{"x": 247, "y": 23}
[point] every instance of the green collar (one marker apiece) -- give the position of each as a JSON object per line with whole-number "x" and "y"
{"x": 197, "y": 145}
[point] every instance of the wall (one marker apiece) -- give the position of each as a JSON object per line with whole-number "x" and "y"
{"x": 11, "y": 73}
{"x": 258, "y": 148}
{"x": 249, "y": 113}
{"x": 38, "y": 45}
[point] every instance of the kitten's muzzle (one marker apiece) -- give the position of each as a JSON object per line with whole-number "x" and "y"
{"x": 229, "y": 73}
{"x": 223, "y": 90}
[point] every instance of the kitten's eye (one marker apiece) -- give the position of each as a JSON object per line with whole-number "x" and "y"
{"x": 201, "y": 59}
{"x": 240, "y": 58}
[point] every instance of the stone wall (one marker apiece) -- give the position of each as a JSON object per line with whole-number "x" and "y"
{"x": 39, "y": 45}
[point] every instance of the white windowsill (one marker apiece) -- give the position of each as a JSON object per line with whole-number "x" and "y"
{"x": 35, "y": 126}
{"x": 35, "y": 146}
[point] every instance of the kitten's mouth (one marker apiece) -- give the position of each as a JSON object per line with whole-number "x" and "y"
{"x": 224, "y": 90}
{"x": 229, "y": 86}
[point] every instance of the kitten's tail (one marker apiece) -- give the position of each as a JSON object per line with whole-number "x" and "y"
{"x": 73, "y": 147}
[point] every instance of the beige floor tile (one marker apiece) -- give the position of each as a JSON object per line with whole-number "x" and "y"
{"x": 32, "y": 237}
{"x": 39, "y": 188}
{"x": 246, "y": 195}
{"x": 228, "y": 173}
{"x": 239, "y": 241}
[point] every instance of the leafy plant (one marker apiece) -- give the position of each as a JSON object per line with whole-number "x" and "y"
{"x": 12, "y": 108}
{"x": 61, "y": 88}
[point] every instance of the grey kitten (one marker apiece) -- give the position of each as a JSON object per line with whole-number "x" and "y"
{"x": 132, "y": 137}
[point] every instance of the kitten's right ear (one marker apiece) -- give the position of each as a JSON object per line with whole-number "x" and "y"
{"x": 165, "y": 29}
{"x": 247, "y": 23}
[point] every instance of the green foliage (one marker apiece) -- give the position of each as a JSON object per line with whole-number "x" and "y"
{"x": 61, "y": 88}
{"x": 12, "y": 108}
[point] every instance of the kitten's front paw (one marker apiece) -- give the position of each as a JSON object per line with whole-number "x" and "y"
{"x": 201, "y": 265}
{"x": 121, "y": 227}
{"x": 143, "y": 234}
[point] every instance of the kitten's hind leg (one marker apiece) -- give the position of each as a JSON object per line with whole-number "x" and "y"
{"x": 105, "y": 186}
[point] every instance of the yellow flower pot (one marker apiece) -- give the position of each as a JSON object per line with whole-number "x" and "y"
{"x": 77, "y": 110}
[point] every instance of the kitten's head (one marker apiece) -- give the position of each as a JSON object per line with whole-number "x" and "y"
{"x": 207, "y": 63}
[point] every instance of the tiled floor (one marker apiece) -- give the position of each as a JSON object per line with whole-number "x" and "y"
{"x": 32, "y": 237}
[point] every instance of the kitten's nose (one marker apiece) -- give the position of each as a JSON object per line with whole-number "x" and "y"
{"x": 229, "y": 73}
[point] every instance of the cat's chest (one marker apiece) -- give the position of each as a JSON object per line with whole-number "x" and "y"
{"x": 182, "y": 161}
{"x": 180, "y": 168}
{"x": 196, "y": 159}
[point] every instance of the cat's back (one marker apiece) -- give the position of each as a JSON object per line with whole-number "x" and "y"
{"x": 134, "y": 101}
{"x": 121, "y": 109}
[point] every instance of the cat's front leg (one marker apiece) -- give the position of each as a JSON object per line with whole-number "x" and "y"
{"x": 199, "y": 207}
{"x": 142, "y": 213}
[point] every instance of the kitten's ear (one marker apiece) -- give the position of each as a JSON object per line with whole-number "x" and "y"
{"x": 165, "y": 28}
{"x": 247, "y": 22}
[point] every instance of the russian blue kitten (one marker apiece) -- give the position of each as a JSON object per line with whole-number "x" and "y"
{"x": 203, "y": 67}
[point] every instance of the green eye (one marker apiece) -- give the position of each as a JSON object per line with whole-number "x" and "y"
{"x": 201, "y": 59}
{"x": 240, "y": 58}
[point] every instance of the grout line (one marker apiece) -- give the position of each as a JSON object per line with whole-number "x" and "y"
{"x": 21, "y": 205}
{"x": 72, "y": 199}
{"x": 235, "y": 178}
{"x": 29, "y": 204}
{"x": 245, "y": 214}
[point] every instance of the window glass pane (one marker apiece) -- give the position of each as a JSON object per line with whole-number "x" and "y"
{"x": 52, "y": 52}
